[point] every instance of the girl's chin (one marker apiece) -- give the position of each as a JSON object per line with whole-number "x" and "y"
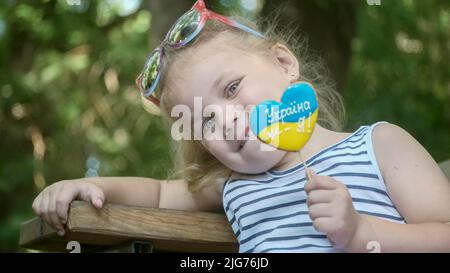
{"x": 252, "y": 170}
{"x": 256, "y": 163}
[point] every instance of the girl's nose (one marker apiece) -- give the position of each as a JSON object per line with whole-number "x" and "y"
{"x": 229, "y": 129}
{"x": 230, "y": 125}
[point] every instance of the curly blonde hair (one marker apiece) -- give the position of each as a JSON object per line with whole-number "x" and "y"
{"x": 193, "y": 162}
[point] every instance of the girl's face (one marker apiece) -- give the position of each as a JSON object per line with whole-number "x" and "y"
{"x": 230, "y": 81}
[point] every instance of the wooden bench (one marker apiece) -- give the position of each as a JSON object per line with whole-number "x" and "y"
{"x": 117, "y": 228}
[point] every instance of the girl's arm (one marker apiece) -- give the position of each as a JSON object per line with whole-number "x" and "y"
{"x": 149, "y": 192}
{"x": 53, "y": 202}
{"x": 132, "y": 191}
{"x": 420, "y": 192}
{"x": 174, "y": 194}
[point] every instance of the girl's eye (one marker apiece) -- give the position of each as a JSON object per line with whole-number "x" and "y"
{"x": 232, "y": 89}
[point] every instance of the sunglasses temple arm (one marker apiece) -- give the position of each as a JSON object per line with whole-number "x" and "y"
{"x": 236, "y": 24}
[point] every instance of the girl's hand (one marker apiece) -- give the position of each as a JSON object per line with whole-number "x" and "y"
{"x": 331, "y": 209}
{"x": 52, "y": 204}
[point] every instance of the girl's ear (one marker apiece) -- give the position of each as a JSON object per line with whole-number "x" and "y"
{"x": 287, "y": 61}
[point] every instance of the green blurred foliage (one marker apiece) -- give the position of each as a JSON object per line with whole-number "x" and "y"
{"x": 400, "y": 70}
{"x": 68, "y": 101}
{"x": 67, "y": 94}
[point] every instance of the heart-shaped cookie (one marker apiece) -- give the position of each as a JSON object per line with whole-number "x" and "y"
{"x": 287, "y": 125}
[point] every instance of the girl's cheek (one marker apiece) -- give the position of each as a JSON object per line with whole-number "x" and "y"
{"x": 258, "y": 93}
{"x": 214, "y": 146}
{"x": 212, "y": 137}
{"x": 250, "y": 96}
{"x": 218, "y": 150}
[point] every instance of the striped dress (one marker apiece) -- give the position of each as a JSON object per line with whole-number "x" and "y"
{"x": 268, "y": 212}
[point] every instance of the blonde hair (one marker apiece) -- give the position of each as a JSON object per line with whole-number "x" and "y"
{"x": 192, "y": 161}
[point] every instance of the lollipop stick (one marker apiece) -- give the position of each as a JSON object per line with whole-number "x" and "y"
{"x": 304, "y": 164}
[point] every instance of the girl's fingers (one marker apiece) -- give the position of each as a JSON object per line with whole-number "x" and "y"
{"x": 320, "y": 182}
{"x": 310, "y": 173}
{"x": 52, "y": 204}
{"x": 93, "y": 194}
{"x": 320, "y": 196}
{"x": 323, "y": 224}
{"x": 320, "y": 210}
{"x": 65, "y": 196}
{"x": 61, "y": 210}
{"x": 36, "y": 205}
{"x": 96, "y": 197}
{"x": 44, "y": 206}
{"x": 54, "y": 219}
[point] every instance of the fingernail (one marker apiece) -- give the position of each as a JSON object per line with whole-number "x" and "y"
{"x": 98, "y": 202}
{"x": 61, "y": 232}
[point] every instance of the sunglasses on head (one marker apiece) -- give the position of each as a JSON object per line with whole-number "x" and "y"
{"x": 185, "y": 29}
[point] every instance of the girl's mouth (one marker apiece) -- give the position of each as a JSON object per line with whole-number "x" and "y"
{"x": 242, "y": 143}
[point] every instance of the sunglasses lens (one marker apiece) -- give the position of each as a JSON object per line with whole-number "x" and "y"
{"x": 150, "y": 73}
{"x": 184, "y": 27}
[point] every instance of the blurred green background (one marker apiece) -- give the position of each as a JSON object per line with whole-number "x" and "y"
{"x": 69, "y": 107}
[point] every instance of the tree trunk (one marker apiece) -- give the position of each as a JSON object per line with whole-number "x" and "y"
{"x": 164, "y": 14}
{"x": 330, "y": 26}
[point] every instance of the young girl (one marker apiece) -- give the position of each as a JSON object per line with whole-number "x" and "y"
{"x": 376, "y": 186}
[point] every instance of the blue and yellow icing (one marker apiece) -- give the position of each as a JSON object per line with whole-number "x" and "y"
{"x": 287, "y": 125}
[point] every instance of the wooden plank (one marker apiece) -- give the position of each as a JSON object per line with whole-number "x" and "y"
{"x": 445, "y": 167}
{"x": 168, "y": 230}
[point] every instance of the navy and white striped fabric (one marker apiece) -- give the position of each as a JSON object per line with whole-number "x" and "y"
{"x": 268, "y": 212}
